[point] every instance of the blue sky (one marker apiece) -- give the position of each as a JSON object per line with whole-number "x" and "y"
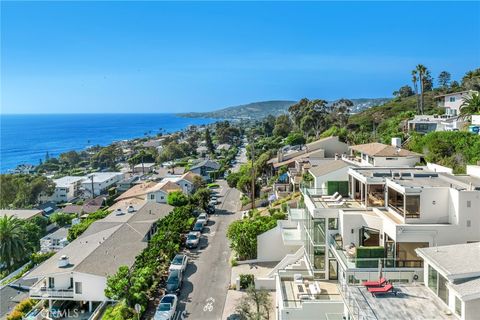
{"x": 74, "y": 57}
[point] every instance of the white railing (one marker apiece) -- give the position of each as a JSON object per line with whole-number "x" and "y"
{"x": 287, "y": 260}
{"x": 43, "y": 292}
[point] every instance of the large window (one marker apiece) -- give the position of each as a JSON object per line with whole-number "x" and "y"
{"x": 432, "y": 279}
{"x": 332, "y": 224}
{"x": 458, "y": 306}
{"x": 412, "y": 206}
{"x": 395, "y": 200}
{"x": 319, "y": 231}
{"x": 319, "y": 257}
{"x": 376, "y": 195}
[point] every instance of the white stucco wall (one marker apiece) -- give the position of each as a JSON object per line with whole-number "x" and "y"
{"x": 270, "y": 246}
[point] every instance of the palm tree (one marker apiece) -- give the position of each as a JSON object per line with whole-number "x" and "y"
{"x": 422, "y": 71}
{"x": 471, "y": 105}
{"x": 12, "y": 241}
{"x": 415, "y": 87}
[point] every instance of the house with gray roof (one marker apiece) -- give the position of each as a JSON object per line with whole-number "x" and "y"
{"x": 204, "y": 168}
{"x": 453, "y": 274}
{"x": 79, "y": 271}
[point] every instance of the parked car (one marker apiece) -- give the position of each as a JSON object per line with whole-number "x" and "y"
{"x": 213, "y": 202}
{"x": 198, "y": 226}
{"x": 203, "y": 216}
{"x": 166, "y": 308}
{"x": 193, "y": 238}
{"x": 210, "y": 209}
{"x": 202, "y": 221}
{"x": 174, "y": 281}
{"x": 179, "y": 262}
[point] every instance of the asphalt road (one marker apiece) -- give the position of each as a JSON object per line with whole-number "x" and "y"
{"x": 207, "y": 276}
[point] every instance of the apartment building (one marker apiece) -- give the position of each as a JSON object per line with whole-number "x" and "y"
{"x": 79, "y": 271}
{"x": 100, "y": 182}
{"x": 66, "y": 189}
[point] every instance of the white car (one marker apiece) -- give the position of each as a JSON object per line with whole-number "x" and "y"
{"x": 166, "y": 308}
{"x": 203, "y": 216}
{"x": 179, "y": 262}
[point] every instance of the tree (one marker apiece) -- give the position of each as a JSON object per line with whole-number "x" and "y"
{"x": 129, "y": 285}
{"x": 198, "y": 182}
{"x": 340, "y": 112}
{"x": 23, "y": 191}
{"x": 471, "y": 80}
{"x": 404, "y": 92}
{"x": 444, "y": 79}
{"x": 208, "y": 141}
{"x": 202, "y": 197}
{"x": 471, "y": 105}
{"x": 415, "y": 87}
{"x": 71, "y": 158}
{"x": 255, "y": 305}
{"x": 422, "y": 71}
{"x": 177, "y": 199}
{"x": 12, "y": 241}
{"x": 295, "y": 138}
{"x": 268, "y": 125}
{"x": 61, "y": 219}
{"x": 283, "y": 126}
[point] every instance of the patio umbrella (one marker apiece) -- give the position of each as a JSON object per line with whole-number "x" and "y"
{"x": 380, "y": 269}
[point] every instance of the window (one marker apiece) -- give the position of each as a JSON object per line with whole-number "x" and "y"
{"x": 458, "y": 306}
{"x": 152, "y": 197}
{"x": 451, "y": 99}
{"x": 412, "y": 206}
{"x": 469, "y": 204}
{"x": 332, "y": 224}
{"x": 319, "y": 231}
{"x": 51, "y": 282}
{"x": 432, "y": 279}
{"x": 78, "y": 287}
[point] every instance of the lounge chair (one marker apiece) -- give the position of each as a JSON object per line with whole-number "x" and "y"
{"x": 388, "y": 288}
{"x": 377, "y": 283}
{"x": 336, "y": 194}
{"x": 338, "y": 203}
{"x": 336, "y": 199}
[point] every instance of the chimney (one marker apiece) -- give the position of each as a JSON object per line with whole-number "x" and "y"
{"x": 63, "y": 261}
{"x": 336, "y": 156}
{"x": 397, "y": 142}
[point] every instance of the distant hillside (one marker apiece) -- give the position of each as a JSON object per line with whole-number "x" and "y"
{"x": 262, "y": 109}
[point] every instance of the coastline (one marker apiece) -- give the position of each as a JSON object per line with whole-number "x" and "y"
{"x": 59, "y": 133}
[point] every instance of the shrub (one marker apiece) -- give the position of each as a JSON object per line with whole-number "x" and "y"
{"x": 21, "y": 309}
{"x": 177, "y": 199}
{"x": 246, "y": 280}
{"x": 118, "y": 311}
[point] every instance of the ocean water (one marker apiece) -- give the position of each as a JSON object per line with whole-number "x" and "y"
{"x": 25, "y": 139}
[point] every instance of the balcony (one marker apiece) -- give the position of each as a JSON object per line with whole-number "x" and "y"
{"x": 296, "y": 292}
{"x": 352, "y": 159}
{"x": 350, "y": 261}
{"x": 39, "y": 290}
{"x": 321, "y": 200}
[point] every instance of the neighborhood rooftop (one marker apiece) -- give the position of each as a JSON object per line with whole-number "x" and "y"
{"x": 382, "y": 150}
{"x": 109, "y": 243}
{"x": 23, "y": 214}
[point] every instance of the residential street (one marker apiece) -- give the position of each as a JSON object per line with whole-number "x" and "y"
{"x": 207, "y": 276}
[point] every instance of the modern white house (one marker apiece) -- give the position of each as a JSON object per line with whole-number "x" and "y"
{"x": 452, "y": 102}
{"x": 428, "y": 123}
{"x": 452, "y": 273}
{"x": 54, "y": 241}
{"x": 377, "y": 154}
{"x": 101, "y": 181}
{"x": 387, "y": 214}
{"x": 66, "y": 189}
{"x": 151, "y": 191}
{"x": 79, "y": 271}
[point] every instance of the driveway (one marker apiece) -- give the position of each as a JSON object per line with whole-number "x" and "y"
{"x": 207, "y": 276}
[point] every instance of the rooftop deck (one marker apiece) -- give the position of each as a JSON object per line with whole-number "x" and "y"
{"x": 413, "y": 301}
{"x": 322, "y": 201}
{"x": 294, "y": 293}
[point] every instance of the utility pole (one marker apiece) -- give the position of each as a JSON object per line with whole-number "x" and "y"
{"x": 93, "y": 192}
{"x": 143, "y": 167}
{"x": 252, "y": 150}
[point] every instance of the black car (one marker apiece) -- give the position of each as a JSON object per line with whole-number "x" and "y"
{"x": 210, "y": 209}
{"x": 198, "y": 227}
{"x": 174, "y": 281}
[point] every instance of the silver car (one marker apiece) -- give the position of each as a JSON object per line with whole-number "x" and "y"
{"x": 166, "y": 308}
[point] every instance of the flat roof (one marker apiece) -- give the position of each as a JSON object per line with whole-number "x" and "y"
{"x": 413, "y": 301}
{"x": 65, "y": 182}
{"x": 455, "y": 261}
{"x": 434, "y": 179}
{"x": 102, "y": 176}
{"x": 328, "y": 166}
{"x": 382, "y": 150}
{"x": 23, "y": 214}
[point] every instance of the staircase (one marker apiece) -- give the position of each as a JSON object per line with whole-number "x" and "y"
{"x": 290, "y": 261}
